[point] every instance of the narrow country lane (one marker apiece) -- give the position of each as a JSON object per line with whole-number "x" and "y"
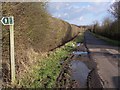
{"x": 106, "y": 57}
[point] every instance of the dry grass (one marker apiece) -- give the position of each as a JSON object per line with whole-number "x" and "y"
{"x": 36, "y": 33}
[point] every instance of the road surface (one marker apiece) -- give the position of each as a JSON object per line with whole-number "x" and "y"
{"x": 106, "y": 57}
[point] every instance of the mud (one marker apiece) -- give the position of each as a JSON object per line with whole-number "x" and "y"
{"x": 79, "y": 71}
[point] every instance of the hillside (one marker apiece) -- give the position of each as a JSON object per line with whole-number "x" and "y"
{"x": 36, "y": 33}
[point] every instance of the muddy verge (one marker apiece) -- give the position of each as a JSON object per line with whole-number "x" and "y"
{"x": 79, "y": 71}
{"x": 64, "y": 79}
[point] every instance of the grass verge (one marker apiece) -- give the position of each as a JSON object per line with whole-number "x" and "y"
{"x": 47, "y": 69}
{"x": 109, "y": 41}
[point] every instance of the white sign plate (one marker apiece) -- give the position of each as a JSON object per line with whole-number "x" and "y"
{"x": 8, "y": 20}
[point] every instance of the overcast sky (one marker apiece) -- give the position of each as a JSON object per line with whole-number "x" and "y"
{"x": 80, "y": 13}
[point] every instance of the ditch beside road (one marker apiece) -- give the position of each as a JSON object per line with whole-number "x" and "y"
{"x": 93, "y": 64}
{"x": 79, "y": 70}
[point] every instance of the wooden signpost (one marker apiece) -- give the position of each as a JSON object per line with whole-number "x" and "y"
{"x": 10, "y": 21}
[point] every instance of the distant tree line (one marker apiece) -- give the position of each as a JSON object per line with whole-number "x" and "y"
{"x": 110, "y": 28}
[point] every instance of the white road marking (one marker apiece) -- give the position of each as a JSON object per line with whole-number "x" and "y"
{"x": 94, "y": 49}
{"x": 112, "y": 51}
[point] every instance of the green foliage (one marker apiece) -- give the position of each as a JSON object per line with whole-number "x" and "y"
{"x": 109, "y": 28}
{"x": 109, "y": 41}
{"x": 80, "y": 38}
{"x": 45, "y": 73}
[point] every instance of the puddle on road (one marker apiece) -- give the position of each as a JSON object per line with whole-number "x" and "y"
{"x": 78, "y": 44}
{"x": 79, "y": 72}
{"x": 80, "y": 53}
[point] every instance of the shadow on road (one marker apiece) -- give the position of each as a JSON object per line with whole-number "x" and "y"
{"x": 92, "y": 40}
{"x": 116, "y": 81}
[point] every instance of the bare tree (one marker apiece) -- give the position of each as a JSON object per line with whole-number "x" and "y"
{"x": 115, "y": 9}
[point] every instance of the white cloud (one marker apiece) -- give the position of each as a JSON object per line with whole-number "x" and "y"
{"x": 65, "y": 14}
{"x": 78, "y": 12}
{"x": 59, "y": 15}
{"x": 88, "y": 6}
{"x": 112, "y": 1}
{"x": 81, "y": 18}
{"x": 67, "y": 4}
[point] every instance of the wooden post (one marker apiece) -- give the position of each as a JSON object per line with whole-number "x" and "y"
{"x": 12, "y": 54}
{"x": 10, "y": 21}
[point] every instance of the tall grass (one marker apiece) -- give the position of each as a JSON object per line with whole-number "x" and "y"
{"x": 36, "y": 29}
{"x": 47, "y": 68}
